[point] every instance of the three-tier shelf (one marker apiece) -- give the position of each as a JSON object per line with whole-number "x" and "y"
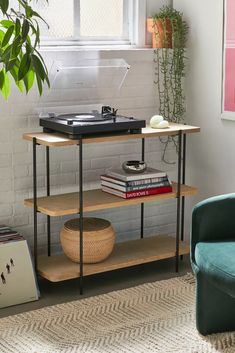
{"x": 57, "y": 268}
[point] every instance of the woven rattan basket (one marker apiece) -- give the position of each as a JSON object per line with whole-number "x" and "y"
{"x": 98, "y": 239}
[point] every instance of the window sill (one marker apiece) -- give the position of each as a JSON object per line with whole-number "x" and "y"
{"x": 69, "y": 48}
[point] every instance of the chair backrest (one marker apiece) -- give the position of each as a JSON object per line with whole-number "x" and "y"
{"x": 213, "y": 220}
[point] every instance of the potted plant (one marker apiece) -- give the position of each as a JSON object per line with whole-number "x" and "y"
{"x": 19, "y": 41}
{"x": 161, "y": 30}
{"x": 169, "y": 38}
{"x": 168, "y": 28}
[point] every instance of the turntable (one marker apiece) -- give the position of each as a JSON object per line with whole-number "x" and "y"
{"x": 82, "y": 124}
{"x": 96, "y": 83}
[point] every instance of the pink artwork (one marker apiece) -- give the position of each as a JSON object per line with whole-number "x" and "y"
{"x": 229, "y": 57}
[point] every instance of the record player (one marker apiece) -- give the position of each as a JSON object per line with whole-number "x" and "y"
{"x": 76, "y": 125}
{"x": 95, "y": 83}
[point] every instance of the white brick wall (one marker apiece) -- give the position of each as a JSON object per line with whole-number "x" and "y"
{"x": 137, "y": 98}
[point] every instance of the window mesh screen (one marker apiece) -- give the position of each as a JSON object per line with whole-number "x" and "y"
{"x": 96, "y": 18}
{"x": 59, "y": 14}
{"x": 101, "y": 18}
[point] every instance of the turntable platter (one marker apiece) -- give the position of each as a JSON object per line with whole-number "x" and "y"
{"x": 84, "y": 117}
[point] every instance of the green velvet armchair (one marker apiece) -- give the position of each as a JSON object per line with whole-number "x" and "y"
{"x": 213, "y": 263}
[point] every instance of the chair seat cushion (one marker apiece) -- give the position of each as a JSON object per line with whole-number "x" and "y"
{"x": 217, "y": 261}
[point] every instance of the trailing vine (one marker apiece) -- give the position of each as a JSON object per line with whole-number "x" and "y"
{"x": 170, "y": 70}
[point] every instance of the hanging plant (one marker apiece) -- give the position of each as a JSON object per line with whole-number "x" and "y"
{"x": 170, "y": 34}
{"x": 19, "y": 41}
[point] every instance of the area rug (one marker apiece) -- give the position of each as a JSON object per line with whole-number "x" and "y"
{"x": 154, "y": 317}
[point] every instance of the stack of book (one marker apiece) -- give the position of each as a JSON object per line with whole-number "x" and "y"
{"x": 150, "y": 182}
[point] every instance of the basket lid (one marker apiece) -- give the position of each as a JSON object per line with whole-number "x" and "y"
{"x": 90, "y": 224}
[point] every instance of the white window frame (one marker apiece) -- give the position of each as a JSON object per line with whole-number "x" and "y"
{"x": 134, "y": 18}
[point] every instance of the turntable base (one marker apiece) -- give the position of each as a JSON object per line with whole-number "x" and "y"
{"x": 85, "y": 124}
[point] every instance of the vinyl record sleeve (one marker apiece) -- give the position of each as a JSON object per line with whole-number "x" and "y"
{"x": 17, "y": 278}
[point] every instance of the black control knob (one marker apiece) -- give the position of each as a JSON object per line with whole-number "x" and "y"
{"x": 70, "y": 122}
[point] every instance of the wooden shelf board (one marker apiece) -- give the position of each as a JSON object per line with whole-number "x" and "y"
{"x": 66, "y": 204}
{"x": 59, "y": 268}
{"x": 57, "y": 139}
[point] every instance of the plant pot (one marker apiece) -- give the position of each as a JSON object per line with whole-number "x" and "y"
{"x": 98, "y": 239}
{"x": 161, "y": 30}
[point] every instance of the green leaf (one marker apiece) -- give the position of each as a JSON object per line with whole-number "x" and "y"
{"x": 10, "y": 64}
{"x": 28, "y": 11}
{"x": 24, "y": 66}
{"x": 42, "y": 61}
{"x": 4, "y": 5}
{"x": 2, "y": 77}
{"x": 6, "y": 54}
{"x": 36, "y": 32}
{"x": 39, "y": 83}
{"x": 5, "y": 90}
{"x": 38, "y": 66}
{"x": 2, "y": 34}
{"x": 20, "y": 86}
{"x": 47, "y": 81}
{"x": 17, "y": 27}
{"x": 29, "y": 48}
{"x": 7, "y": 23}
{"x": 7, "y": 36}
{"x": 34, "y": 13}
{"x": 14, "y": 73}
{"x": 29, "y": 80}
{"x": 25, "y": 29}
{"x": 16, "y": 47}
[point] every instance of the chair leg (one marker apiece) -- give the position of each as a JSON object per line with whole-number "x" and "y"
{"x": 215, "y": 310}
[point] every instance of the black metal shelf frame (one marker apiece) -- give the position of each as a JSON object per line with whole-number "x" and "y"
{"x": 180, "y": 201}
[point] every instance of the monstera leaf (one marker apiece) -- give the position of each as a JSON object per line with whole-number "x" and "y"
{"x": 19, "y": 43}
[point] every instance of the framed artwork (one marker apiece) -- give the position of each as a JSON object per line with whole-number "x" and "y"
{"x": 228, "y": 100}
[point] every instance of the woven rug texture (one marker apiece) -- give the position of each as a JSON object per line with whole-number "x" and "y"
{"x": 154, "y": 317}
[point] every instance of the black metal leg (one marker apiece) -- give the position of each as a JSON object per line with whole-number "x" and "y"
{"x": 48, "y": 194}
{"x": 81, "y": 212}
{"x": 35, "y": 204}
{"x": 142, "y": 204}
{"x": 183, "y": 182}
{"x": 178, "y": 201}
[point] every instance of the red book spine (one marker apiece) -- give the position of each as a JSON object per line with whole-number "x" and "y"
{"x": 147, "y": 192}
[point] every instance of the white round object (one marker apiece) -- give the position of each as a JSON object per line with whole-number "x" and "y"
{"x": 163, "y": 124}
{"x": 155, "y": 120}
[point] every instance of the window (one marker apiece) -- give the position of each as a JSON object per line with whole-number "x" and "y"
{"x": 88, "y": 22}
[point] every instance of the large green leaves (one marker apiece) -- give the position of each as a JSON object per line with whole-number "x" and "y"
{"x": 19, "y": 39}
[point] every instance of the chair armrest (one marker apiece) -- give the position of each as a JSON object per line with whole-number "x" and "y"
{"x": 213, "y": 220}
